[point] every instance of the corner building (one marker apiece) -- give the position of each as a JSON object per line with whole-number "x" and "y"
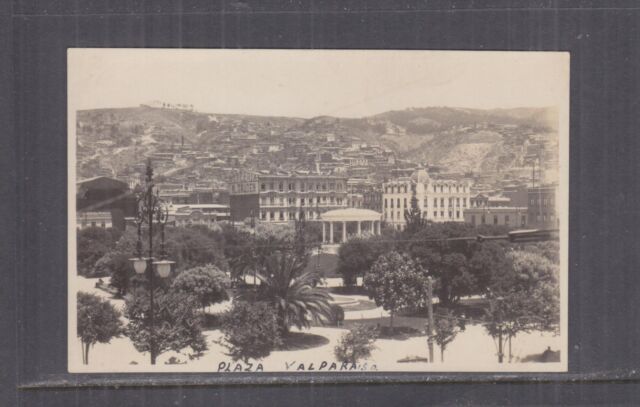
{"x": 438, "y": 200}
{"x": 285, "y": 198}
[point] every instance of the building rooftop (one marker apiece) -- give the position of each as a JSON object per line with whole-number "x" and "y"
{"x": 351, "y": 215}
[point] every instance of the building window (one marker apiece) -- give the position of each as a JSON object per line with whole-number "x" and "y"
{"x": 263, "y": 215}
{"x": 464, "y": 202}
{"x": 442, "y": 214}
{"x": 391, "y": 214}
{"x": 391, "y": 202}
{"x": 301, "y": 201}
{"x": 435, "y": 202}
{"x": 93, "y": 224}
{"x": 495, "y": 219}
{"x": 385, "y": 203}
{"x": 102, "y": 224}
{"x": 398, "y": 202}
{"x": 272, "y": 216}
{"x": 281, "y": 187}
{"x": 281, "y": 215}
{"x": 483, "y": 220}
{"x": 271, "y": 186}
{"x": 450, "y": 214}
{"x": 332, "y": 186}
{"x": 473, "y": 219}
{"x": 302, "y": 187}
{"x": 405, "y": 202}
{"x": 458, "y": 214}
{"x": 290, "y": 186}
{"x": 523, "y": 220}
{"x": 457, "y": 201}
{"x": 435, "y": 214}
{"x": 263, "y": 187}
{"x": 398, "y": 214}
{"x": 442, "y": 202}
{"x": 506, "y": 219}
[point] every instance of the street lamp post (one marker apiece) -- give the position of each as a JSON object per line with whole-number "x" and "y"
{"x": 150, "y": 209}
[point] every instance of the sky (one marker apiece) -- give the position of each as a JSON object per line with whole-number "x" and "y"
{"x": 308, "y": 83}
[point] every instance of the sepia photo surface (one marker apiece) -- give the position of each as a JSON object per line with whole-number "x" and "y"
{"x": 309, "y": 211}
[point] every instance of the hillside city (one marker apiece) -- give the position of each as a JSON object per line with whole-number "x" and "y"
{"x": 226, "y": 243}
{"x": 501, "y": 159}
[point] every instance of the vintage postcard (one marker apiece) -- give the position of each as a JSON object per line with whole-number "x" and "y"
{"x": 307, "y": 211}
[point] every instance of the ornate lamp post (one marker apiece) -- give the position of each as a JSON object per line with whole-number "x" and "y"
{"x": 150, "y": 210}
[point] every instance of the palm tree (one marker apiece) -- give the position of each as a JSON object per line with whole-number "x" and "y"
{"x": 285, "y": 285}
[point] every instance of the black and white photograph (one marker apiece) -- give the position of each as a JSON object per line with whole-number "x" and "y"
{"x": 317, "y": 211}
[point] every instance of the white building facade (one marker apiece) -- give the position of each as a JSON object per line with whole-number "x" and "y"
{"x": 438, "y": 200}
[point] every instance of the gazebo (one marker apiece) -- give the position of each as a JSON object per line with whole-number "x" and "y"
{"x": 366, "y": 220}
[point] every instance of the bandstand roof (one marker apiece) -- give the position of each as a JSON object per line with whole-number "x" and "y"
{"x": 350, "y": 215}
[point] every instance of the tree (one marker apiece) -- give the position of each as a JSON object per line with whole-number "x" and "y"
{"x": 207, "y": 283}
{"x": 460, "y": 267}
{"x": 525, "y": 297}
{"x": 357, "y": 255}
{"x": 193, "y": 246}
{"x": 488, "y": 261}
{"x": 92, "y": 244}
{"x": 396, "y": 282}
{"x": 98, "y": 321}
{"x": 454, "y": 279}
{"x": 414, "y": 218}
{"x": 356, "y": 344}
{"x": 119, "y": 267}
{"x": 446, "y": 330}
{"x": 177, "y": 324}
{"x": 251, "y": 330}
{"x": 290, "y": 290}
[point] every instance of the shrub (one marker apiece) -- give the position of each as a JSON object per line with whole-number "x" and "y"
{"x": 207, "y": 283}
{"x": 251, "y": 330}
{"x": 356, "y": 344}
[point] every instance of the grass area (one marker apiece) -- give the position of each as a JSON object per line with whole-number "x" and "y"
{"x": 301, "y": 341}
{"x": 362, "y": 305}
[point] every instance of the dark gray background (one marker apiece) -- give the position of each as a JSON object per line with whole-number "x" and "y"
{"x": 604, "y": 301}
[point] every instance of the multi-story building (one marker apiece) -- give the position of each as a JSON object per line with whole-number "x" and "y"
{"x": 198, "y": 214}
{"x": 439, "y": 200}
{"x": 244, "y": 197}
{"x": 542, "y": 207}
{"x": 499, "y": 215}
{"x": 288, "y": 197}
{"x": 495, "y": 210}
{"x": 365, "y": 193}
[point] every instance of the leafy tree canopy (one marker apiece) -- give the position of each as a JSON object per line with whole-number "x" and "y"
{"x": 207, "y": 283}
{"x": 251, "y": 330}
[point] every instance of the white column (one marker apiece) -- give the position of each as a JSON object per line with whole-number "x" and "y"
{"x": 324, "y": 233}
{"x": 359, "y": 229}
{"x": 378, "y": 227}
{"x": 331, "y": 232}
{"x": 344, "y": 232}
